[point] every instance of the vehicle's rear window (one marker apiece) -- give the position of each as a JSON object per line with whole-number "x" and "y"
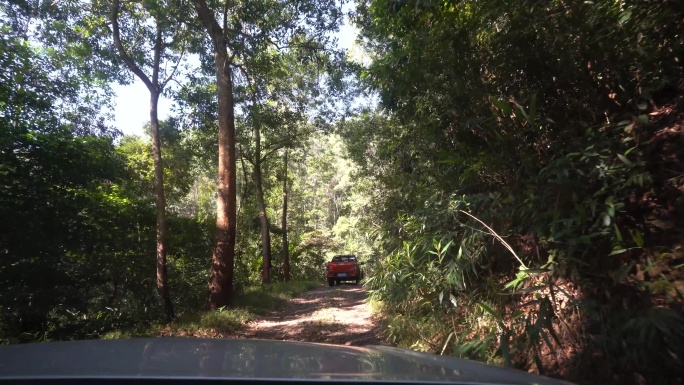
{"x": 344, "y": 258}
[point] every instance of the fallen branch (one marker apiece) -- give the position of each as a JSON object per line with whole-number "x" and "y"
{"x": 495, "y": 235}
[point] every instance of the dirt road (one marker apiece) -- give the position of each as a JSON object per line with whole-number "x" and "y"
{"x": 337, "y": 315}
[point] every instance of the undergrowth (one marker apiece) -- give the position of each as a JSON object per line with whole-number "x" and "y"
{"x": 582, "y": 277}
{"x": 252, "y": 302}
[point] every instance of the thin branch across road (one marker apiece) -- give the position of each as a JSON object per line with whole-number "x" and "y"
{"x": 337, "y": 315}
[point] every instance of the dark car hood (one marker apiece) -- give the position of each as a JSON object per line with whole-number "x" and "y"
{"x": 253, "y": 359}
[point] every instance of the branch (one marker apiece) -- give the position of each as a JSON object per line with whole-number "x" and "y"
{"x": 243, "y": 155}
{"x": 225, "y": 15}
{"x": 495, "y": 235}
{"x": 280, "y": 145}
{"x": 175, "y": 68}
{"x": 211, "y": 25}
{"x": 158, "y": 47}
{"x": 284, "y": 143}
{"x": 116, "y": 35}
{"x": 244, "y": 72}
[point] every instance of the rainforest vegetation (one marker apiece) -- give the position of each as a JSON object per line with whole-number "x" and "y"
{"x": 511, "y": 173}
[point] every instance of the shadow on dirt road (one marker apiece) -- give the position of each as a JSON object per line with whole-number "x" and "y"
{"x": 337, "y": 315}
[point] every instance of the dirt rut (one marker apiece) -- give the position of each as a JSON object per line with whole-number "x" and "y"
{"x": 337, "y": 315}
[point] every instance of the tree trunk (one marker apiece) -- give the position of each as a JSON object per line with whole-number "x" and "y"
{"x": 261, "y": 206}
{"x": 286, "y": 248}
{"x": 223, "y": 260}
{"x": 155, "y": 90}
{"x": 162, "y": 272}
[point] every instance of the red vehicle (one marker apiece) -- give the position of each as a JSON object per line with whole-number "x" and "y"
{"x": 344, "y": 268}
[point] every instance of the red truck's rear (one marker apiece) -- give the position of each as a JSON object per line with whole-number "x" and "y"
{"x": 344, "y": 268}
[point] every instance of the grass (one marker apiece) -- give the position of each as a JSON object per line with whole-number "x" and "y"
{"x": 253, "y": 302}
{"x": 140, "y": 331}
{"x": 377, "y": 307}
{"x": 260, "y": 300}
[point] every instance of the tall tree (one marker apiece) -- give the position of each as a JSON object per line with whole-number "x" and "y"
{"x": 161, "y": 29}
{"x": 263, "y": 117}
{"x": 286, "y": 246}
{"x": 285, "y": 90}
{"x": 247, "y": 30}
{"x": 223, "y": 260}
{"x": 261, "y": 206}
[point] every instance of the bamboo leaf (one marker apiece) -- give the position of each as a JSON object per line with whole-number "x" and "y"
{"x": 453, "y": 300}
{"x": 624, "y": 159}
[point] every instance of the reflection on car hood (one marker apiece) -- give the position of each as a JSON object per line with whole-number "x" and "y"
{"x": 255, "y": 359}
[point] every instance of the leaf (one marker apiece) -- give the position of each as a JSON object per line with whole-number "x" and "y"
{"x": 441, "y": 297}
{"x": 513, "y": 283}
{"x": 452, "y": 298}
{"x": 522, "y": 112}
{"x": 638, "y": 238}
{"x": 487, "y": 309}
{"x": 606, "y": 219}
{"x": 618, "y": 234}
{"x": 622, "y": 272}
{"x": 616, "y": 252}
{"x": 446, "y": 247}
{"x": 624, "y": 160}
{"x": 533, "y": 110}
{"x": 626, "y": 15}
{"x": 504, "y": 106}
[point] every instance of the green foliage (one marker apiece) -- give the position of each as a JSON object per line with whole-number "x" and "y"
{"x": 177, "y": 158}
{"x": 190, "y": 244}
{"x": 254, "y": 301}
{"x": 261, "y": 299}
{"x": 78, "y": 254}
{"x": 224, "y": 321}
{"x": 71, "y": 255}
{"x": 534, "y": 119}
{"x": 516, "y": 194}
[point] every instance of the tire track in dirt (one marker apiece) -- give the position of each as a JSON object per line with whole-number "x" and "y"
{"x": 337, "y": 315}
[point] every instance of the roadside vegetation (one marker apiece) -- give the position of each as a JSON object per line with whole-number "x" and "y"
{"x": 253, "y": 302}
{"x": 527, "y": 192}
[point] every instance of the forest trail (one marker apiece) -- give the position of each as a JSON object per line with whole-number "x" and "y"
{"x": 336, "y": 315}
